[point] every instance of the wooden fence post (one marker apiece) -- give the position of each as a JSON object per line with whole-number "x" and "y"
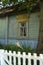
{"x": 29, "y": 58}
{"x": 14, "y": 58}
{"x": 2, "y": 57}
{"x": 41, "y": 59}
{"x": 19, "y": 59}
{"x": 24, "y": 58}
{"x": 35, "y": 60}
{"x": 10, "y": 58}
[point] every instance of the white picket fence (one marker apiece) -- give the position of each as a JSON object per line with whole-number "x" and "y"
{"x": 13, "y": 58}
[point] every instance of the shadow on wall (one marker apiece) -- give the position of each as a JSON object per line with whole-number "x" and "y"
{"x": 31, "y": 43}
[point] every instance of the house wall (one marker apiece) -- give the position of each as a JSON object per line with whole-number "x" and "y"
{"x": 3, "y": 27}
{"x": 34, "y": 23}
{"x": 13, "y": 27}
{"x": 13, "y": 31}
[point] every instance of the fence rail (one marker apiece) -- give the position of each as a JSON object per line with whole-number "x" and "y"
{"x": 13, "y": 58}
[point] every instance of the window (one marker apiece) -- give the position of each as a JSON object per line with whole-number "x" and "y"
{"x": 23, "y": 29}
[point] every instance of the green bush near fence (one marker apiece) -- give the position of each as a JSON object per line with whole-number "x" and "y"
{"x": 1, "y": 46}
{"x": 13, "y": 47}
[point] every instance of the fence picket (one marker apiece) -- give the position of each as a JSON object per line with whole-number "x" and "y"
{"x": 41, "y": 59}
{"x": 14, "y": 58}
{"x": 29, "y": 58}
{"x": 10, "y": 58}
{"x": 35, "y": 60}
{"x": 1, "y": 57}
{"x": 24, "y": 58}
{"x": 6, "y": 56}
{"x": 19, "y": 59}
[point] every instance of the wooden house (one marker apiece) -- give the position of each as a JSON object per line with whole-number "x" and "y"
{"x": 20, "y": 25}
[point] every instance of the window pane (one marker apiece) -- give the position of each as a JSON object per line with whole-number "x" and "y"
{"x": 22, "y": 24}
{"x": 23, "y": 29}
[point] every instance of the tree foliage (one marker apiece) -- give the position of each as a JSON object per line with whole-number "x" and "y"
{"x": 22, "y": 5}
{"x": 9, "y": 1}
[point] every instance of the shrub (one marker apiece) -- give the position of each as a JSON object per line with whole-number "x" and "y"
{"x": 1, "y": 46}
{"x": 14, "y": 47}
